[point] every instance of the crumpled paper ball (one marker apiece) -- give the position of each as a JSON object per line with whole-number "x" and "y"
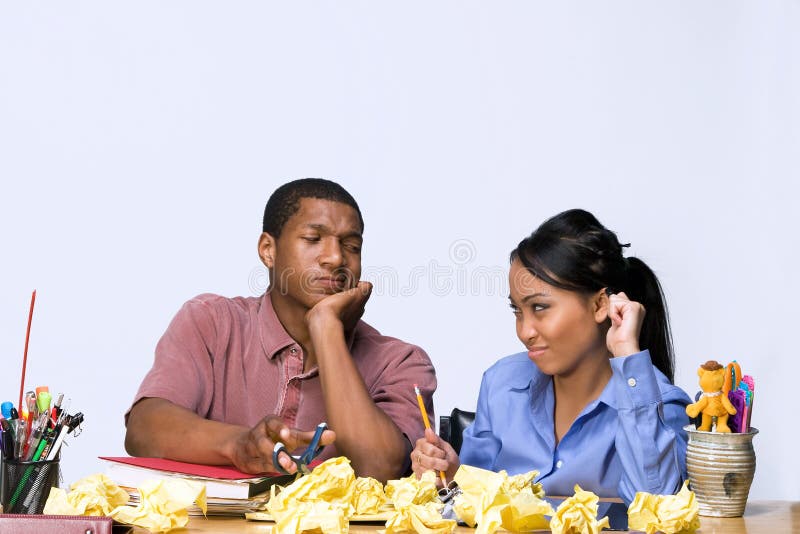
{"x": 93, "y": 495}
{"x": 494, "y": 500}
{"x": 412, "y": 490}
{"x": 163, "y": 505}
{"x": 325, "y": 499}
{"x": 368, "y": 496}
{"x": 578, "y": 515}
{"x": 670, "y": 514}
{"x": 421, "y": 518}
{"x": 417, "y": 506}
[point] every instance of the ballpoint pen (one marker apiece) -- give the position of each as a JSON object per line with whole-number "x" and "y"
{"x": 26, "y": 475}
{"x": 57, "y": 407}
{"x": 40, "y": 427}
{"x": 21, "y": 434}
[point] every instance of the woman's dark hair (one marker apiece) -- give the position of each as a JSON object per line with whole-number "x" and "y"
{"x": 573, "y": 251}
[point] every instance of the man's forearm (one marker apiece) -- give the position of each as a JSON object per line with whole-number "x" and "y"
{"x": 364, "y": 433}
{"x": 159, "y": 428}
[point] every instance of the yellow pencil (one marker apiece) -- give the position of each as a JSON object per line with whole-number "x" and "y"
{"x": 425, "y": 420}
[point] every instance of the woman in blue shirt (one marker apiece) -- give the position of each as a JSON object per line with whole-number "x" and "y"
{"x": 591, "y": 401}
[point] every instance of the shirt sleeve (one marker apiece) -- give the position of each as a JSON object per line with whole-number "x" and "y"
{"x": 394, "y": 393}
{"x": 182, "y": 371}
{"x": 480, "y": 446}
{"x": 650, "y": 440}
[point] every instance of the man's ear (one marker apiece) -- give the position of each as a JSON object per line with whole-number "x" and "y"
{"x": 266, "y": 250}
{"x": 600, "y": 305}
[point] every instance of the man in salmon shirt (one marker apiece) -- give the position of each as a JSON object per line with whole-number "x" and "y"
{"x": 232, "y": 376}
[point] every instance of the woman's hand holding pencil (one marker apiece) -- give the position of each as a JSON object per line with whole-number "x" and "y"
{"x": 432, "y": 452}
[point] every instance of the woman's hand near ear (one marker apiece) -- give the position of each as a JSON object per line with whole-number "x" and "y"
{"x": 626, "y": 324}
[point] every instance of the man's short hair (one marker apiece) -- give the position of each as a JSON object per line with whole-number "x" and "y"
{"x": 285, "y": 201}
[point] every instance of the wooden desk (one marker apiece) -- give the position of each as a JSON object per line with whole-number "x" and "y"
{"x": 760, "y": 517}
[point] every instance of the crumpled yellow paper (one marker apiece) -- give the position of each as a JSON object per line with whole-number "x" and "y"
{"x": 331, "y": 481}
{"x": 422, "y": 518}
{"x": 92, "y": 495}
{"x": 578, "y": 515}
{"x": 495, "y": 500}
{"x": 325, "y": 499}
{"x": 368, "y": 497}
{"x": 163, "y": 504}
{"x": 162, "y": 508}
{"x": 670, "y": 514}
{"x": 317, "y": 516}
{"x": 412, "y": 490}
{"x": 417, "y": 506}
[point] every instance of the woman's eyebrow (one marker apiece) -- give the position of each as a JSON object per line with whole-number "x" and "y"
{"x": 526, "y": 298}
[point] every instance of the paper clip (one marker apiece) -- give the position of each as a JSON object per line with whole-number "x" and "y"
{"x": 447, "y": 496}
{"x": 302, "y": 460}
{"x": 449, "y": 492}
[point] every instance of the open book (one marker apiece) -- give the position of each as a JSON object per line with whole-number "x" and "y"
{"x": 221, "y": 481}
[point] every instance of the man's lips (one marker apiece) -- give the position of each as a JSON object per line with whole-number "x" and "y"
{"x": 331, "y": 282}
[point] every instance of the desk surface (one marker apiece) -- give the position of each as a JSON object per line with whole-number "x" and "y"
{"x": 760, "y": 516}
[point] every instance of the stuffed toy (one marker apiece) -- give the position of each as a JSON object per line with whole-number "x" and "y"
{"x": 714, "y": 403}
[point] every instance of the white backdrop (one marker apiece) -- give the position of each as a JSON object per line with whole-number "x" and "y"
{"x": 139, "y": 142}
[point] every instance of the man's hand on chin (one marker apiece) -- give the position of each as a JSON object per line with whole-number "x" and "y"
{"x": 346, "y": 307}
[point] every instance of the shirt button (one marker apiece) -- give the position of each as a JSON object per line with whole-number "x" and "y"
{"x": 631, "y": 382}
{"x": 294, "y": 351}
{"x": 559, "y": 464}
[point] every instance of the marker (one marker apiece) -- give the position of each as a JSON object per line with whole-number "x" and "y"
{"x": 6, "y": 408}
{"x": 43, "y": 402}
{"x": 427, "y": 423}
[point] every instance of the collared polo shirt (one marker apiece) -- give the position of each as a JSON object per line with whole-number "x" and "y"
{"x": 231, "y": 360}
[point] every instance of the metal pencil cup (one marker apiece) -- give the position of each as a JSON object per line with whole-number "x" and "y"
{"x": 721, "y": 468}
{"x": 26, "y": 485}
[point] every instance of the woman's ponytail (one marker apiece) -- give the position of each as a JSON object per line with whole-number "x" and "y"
{"x": 642, "y": 285}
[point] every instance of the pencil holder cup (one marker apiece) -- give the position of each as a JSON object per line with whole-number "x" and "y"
{"x": 26, "y": 485}
{"x": 721, "y": 468}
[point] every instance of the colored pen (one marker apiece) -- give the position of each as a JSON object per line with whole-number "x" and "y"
{"x": 21, "y": 434}
{"x": 57, "y": 407}
{"x": 427, "y": 423}
{"x": 26, "y": 475}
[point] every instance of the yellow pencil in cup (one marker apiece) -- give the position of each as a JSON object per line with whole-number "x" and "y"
{"x": 425, "y": 420}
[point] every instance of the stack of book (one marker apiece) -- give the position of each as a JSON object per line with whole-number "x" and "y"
{"x": 228, "y": 490}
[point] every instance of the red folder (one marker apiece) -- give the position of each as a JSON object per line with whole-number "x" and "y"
{"x": 225, "y": 472}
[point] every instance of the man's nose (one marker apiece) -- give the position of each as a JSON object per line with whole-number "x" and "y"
{"x": 331, "y": 255}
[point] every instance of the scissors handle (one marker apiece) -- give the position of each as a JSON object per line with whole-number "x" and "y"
{"x": 314, "y": 448}
{"x": 301, "y": 461}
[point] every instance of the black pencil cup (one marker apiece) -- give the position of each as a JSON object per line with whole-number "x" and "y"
{"x": 26, "y": 485}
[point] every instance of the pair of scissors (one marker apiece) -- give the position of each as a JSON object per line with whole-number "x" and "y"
{"x": 302, "y": 460}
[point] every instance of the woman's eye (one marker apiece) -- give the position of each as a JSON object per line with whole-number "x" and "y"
{"x": 539, "y": 307}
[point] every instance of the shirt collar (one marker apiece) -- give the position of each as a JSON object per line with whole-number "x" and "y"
{"x": 608, "y": 396}
{"x": 275, "y": 338}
